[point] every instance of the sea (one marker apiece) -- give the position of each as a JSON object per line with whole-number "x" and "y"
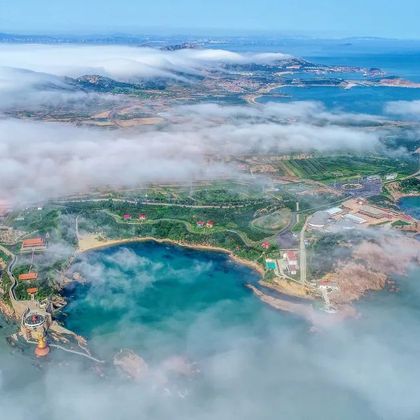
{"x": 364, "y": 100}
{"x": 395, "y": 58}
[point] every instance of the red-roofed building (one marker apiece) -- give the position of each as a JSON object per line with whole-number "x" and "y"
{"x": 266, "y": 245}
{"x": 142, "y": 216}
{"x": 34, "y": 244}
{"x": 32, "y": 290}
{"x": 210, "y": 224}
{"x": 28, "y": 276}
{"x": 127, "y": 216}
{"x": 201, "y": 224}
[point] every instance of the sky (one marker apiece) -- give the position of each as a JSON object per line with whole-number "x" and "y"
{"x": 391, "y": 19}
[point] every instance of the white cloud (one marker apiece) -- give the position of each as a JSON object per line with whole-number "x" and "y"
{"x": 121, "y": 62}
{"x": 39, "y": 159}
{"x": 404, "y": 108}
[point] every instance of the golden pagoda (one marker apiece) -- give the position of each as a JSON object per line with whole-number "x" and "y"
{"x": 42, "y": 349}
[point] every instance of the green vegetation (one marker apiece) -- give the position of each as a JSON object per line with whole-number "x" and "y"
{"x": 39, "y": 221}
{"x": 410, "y": 186}
{"x": 43, "y": 283}
{"x": 231, "y": 219}
{"x": 6, "y": 283}
{"x": 343, "y": 167}
{"x": 383, "y": 200}
{"x": 398, "y": 223}
{"x": 299, "y": 226}
{"x": 4, "y": 257}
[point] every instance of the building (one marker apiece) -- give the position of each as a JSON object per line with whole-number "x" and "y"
{"x": 201, "y": 224}
{"x": 391, "y": 177}
{"x": 127, "y": 216}
{"x": 334, "y": 211}
{"x": 33, "y": 245}
{"x": 28, "y": 276}
{"x": 291, "y": 260}
{"x": 210, "y": 224}
{"x": 32, "y": 291}
{"x": 374, "y": 212}
{"x": 142, "y": 216}
{"x": 355, "y": 219}
{"x": 318, "y": 220}
{"x": 266, "y": 245}
{"x": 35, "y": 324}
{"x": 34, "y": 327}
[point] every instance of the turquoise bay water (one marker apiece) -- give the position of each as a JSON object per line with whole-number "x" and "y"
{"x": 153, "y": 298}
{"x": 411, "y": 206}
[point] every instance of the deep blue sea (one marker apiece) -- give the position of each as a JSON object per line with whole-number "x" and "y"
{"x": 365, "y": 100}
{"x": 397, "y": 60}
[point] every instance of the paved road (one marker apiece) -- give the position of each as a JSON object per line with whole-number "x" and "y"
{"x": 302, "y": 252}
{"x": 10, "y": 267}
{"x": 189, "y": 227}
{"x": 153, "y": 203}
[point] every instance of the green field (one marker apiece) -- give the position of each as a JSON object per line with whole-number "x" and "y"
{"x": 331, "y": 168}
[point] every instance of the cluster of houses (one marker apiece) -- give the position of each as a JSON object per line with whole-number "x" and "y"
{"x": 209, "y": 224}
{"x": 142, "y": 216}
{"x": 31, "y": 246}
{"x": 29, "y": 277}
{"x": 202, "y": 224}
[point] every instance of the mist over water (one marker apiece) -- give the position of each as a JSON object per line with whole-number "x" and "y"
{"x": 163, "y": 301}
{"x": 155, "y": 298}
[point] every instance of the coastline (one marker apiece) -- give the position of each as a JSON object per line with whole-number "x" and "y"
{"x": 252, "y": 99}
{"x": 7, "y": 312}
{"x": 92, "y": 244}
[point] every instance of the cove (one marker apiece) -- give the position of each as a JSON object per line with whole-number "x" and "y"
{"x": 161, "y": 300}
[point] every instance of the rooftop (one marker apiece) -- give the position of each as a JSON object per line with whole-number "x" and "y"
{"x": 28, "y": 276}
{"x": 34, "y": 242}
{"x": 334, "y": 210}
